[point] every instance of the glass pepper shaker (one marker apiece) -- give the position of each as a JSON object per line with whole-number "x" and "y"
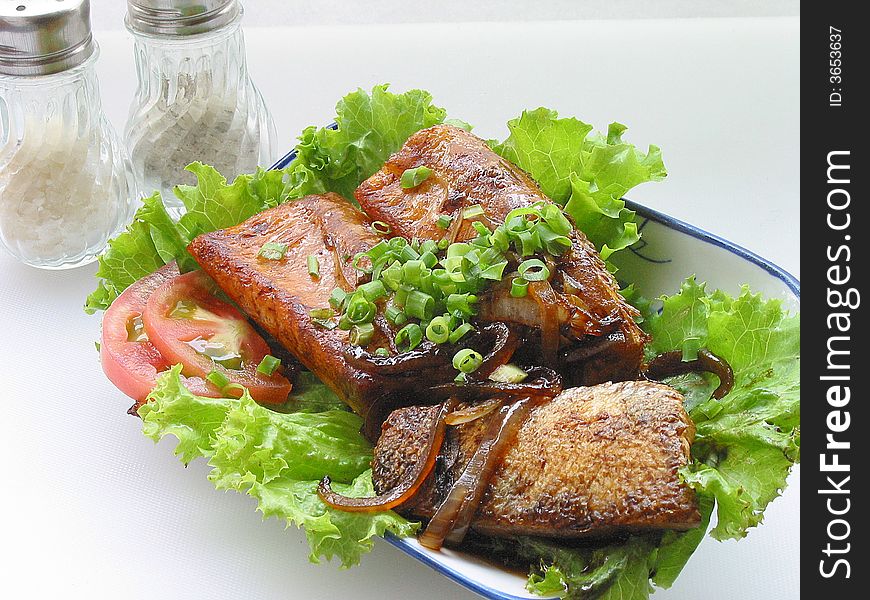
{"x": 195, "y": 100}
{"x": 66, "y": 183}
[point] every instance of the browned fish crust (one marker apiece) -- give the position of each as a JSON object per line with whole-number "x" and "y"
{"x": 279, "y": 294}
{"x": 592, "y": 462}
{"x": 466, "y": 172}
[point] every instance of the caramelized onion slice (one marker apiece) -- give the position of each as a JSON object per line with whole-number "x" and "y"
{"x": 543, "y": 381}
{"x": 505, "y": 344}
{"x": 672, "y": 363}
{"x": 473, "y": 412}
{"x": 411, "y": 480}
{"x": 453, "y": 517}
{"x": 542, "y": 293}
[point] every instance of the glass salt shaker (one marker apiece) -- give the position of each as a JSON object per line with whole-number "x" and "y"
{"x": 66, "y": 184}
{"x": 195, "y": 100}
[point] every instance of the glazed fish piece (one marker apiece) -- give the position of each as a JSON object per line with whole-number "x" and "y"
{"x": 279, "y": 294}
{"x": 466, "y": 172}
{"x": 594, "y": 461}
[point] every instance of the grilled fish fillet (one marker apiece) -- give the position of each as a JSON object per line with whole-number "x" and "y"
{"x": 594, "y": 461}
{"x": 465, "y": 172}
{"x": 279, "y": 294}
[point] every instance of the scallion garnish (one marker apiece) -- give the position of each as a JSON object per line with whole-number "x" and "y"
{"x": 472, "y": 212}
{"x": 420, "y": 305}
{"x": 508, "y": 373}
{"x": 361, "y": 335}
{"x": 519, "y": 287}
{"x": 438, "y": 330}
{"x": 409, "y": 337}
{"x": 444, "y": 221}
{"x": 411, "y": 178}
{"x": 272, "y": 251}
{"x": 268, "y": 365}
{"x": 382, "y": 352}
{"x": 467, "y": 360}
{"x": 381, "y": 228}
{"x": 337, "y": 298}
{"x": 217, "y": 379}
{"x": 313, "y": 266}
{"x": 533, "y": 270}
{"x": 460, "y": 332}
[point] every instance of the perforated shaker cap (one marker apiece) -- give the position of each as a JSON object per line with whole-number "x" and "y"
{"x": 180, "y": 17}
{"x": 41, "y": 37}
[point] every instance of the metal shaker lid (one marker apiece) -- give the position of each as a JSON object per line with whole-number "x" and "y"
{"x": 41, "y": 37}
{"x": 180, "y": 17}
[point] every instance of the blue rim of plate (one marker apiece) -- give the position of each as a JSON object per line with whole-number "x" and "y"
{"x": 790, "y": 281}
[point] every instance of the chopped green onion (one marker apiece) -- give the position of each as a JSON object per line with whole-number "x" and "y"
{"x": 392, "y": 275}
{"x": 473, "y": 211}
{"x": 494, "y": 272}
{"x": 373, "y": 290}
{"x": 480, "y": 228}
{"x": 321, "y": 313}
{"x": 360, "y": 310}
{"x": 268, "y": 365}
{"x": 508, "y": 373}
{"x": 361, "y": 335}
{"x": 272, "y": 250}
{"x": 461, "y": 378}
{"x": 382, "y": 228}
{"x": 409, "y": 337}
{"x": 429, "y": 259}
{"x": 420, "y": 305}
{"x": 460, "y": 332}
{"x": 397, "y": 243}
{"x": 327, "y": 324}
{"x": 438, "y": 330}
{"x": 357, "y": 264}
{"x": 533, "y": 270}
{"x": 401, "y": 295}
{"x": 411, "y": 178}
{"x": 337, "y": 298}
{"x": 444, "y": 221}
{"x": 218, "y": 379}
{"x": 519, "y": 287}
{"x": 408, "y": 253}
{"x": 459, "y": 305}
{"x": 313, "y": 266}
{"x": 344, "y": 323}
{"x": 382, "y": 352}
{"x": 395, "y": 315}
{"x": 429, "y": 246}
{"x": 467, "y": 360}
{"x": 443, "y": 244}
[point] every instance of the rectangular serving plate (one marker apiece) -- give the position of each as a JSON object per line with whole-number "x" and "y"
{"x": 669, "y": 251}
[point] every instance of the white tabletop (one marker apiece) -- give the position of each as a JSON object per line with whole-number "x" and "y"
{"x": 91, "y": 508}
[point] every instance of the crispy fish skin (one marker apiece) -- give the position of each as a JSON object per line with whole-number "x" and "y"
{"x": 466, "y": 172}
{"x": 594, "y": 461}
{"x": 279, "y": 294}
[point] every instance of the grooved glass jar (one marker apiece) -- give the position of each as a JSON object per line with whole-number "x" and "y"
{"x": 195, "y": 99}
{"x": 66, "y": 184}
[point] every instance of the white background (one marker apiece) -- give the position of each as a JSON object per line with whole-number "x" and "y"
{"x": 90, "y": 508}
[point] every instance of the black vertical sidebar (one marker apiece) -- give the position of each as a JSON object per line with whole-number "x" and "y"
{"x": 835, "y": 232}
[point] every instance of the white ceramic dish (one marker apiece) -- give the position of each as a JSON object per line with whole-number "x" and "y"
{"x": 669, "y": 251}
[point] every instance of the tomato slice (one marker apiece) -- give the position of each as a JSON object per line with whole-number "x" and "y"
{"x": 129, "y": 359}
{"x": 188, "y": 324}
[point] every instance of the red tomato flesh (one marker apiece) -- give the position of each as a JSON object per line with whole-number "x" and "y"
{"x": 129, "y": 359}
{"x": 188, "y": 324}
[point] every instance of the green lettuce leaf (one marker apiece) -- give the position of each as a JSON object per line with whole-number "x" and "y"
{"x": 278, "y": 458}
{"x": 586, "y": 172}
{"x": 746, "y": 442}
{"x": 370, "y": 127}
{"x": 154, "y": 239}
